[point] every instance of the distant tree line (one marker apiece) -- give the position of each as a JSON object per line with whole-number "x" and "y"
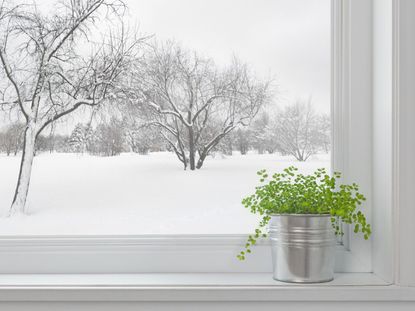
{"x": 113, "y": 137}
{"x": 11, "y": 141}
{"x": 296, "y": 130}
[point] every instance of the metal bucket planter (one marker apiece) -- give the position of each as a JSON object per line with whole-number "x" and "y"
{"x": 302, "y": 248}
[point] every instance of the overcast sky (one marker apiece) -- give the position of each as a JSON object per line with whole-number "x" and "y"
{"x": 285, "y": 39}
{"x": 288, "y": 40}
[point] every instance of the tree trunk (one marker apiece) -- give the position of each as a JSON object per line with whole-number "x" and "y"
{"x": 23, "y": 182}
{"x": 299, "y": 156}
{"x": 202, "y": 158}
{"x": 185, "y": 164}
{"x": 192, "y": 150}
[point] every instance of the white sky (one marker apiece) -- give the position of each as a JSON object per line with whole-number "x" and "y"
{"x": 285, "y": 39}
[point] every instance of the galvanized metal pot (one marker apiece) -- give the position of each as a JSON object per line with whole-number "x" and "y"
{"x": 302, "y": 248}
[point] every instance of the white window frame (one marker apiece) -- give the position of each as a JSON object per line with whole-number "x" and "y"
{"x": 403, "y": 144}
{"x": 352, "y": 154}
{"x": 352, "y": 116}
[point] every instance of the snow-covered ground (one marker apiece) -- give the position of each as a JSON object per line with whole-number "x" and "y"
{"x": 133, "y": 194}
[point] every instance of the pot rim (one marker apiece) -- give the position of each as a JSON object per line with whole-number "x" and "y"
{"x": 303, "y": 215}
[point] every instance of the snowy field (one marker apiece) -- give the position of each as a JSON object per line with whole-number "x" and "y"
{"x": 135, "y": 194}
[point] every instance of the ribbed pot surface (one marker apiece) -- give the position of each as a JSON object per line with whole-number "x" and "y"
{"x": 302, "y": 248}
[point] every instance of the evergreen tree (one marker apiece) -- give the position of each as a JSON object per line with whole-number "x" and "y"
{"x": 78, "y": 139}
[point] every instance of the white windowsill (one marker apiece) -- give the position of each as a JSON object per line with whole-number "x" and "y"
{"x": 194, "y": 287}
{"x": 173, "y": 280}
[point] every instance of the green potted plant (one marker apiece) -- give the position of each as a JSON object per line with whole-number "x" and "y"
{"x": 304, "y": 213}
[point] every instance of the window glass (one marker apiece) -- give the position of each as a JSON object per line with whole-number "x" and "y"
{"x": 177, "y": 105}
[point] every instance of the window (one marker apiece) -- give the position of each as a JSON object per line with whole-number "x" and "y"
{"x": 247, "y": 88}
{"x": 130, "y": 242}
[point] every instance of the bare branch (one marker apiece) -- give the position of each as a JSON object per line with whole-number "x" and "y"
{"x": 12, "y": 79}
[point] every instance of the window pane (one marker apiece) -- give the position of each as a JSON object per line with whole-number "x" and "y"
{"x": 170, "y": 129}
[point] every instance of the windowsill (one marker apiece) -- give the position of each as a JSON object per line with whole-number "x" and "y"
{"x": 173, "y": 280}
{"x": 195, "y": 287}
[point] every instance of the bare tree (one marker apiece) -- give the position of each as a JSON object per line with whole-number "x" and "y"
{"x": 243, "y": 140}
{"x": 226, "y": 145}
{"x": 268, "y": 138}
{"x": 11, "y": 138}
{"x": 143, "y": 139}
{"x": 299, "y": 131}
{"x": 53, "y": 69}
{"x": 259, "y": 138}
{"x": 108, "y": 139}
{"x": 324, "y": 133}
{"x": 193, "y": 102}
{"x": 55, "y": 142}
